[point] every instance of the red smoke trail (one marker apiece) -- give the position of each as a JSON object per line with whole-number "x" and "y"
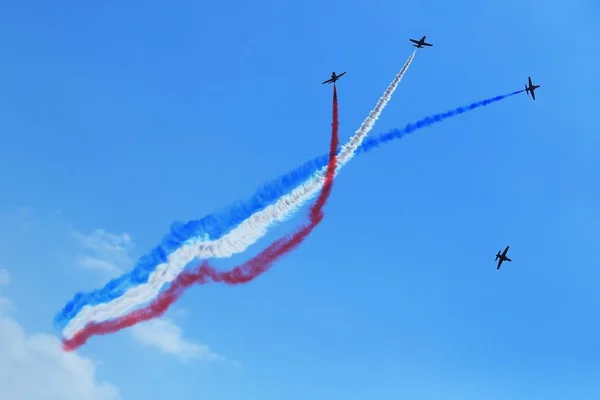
{"x": 204, "y": 272}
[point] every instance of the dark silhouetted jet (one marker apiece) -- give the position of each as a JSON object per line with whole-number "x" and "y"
{"x": 420, "y": 43}
{"x": 529, "y": 89}
{"x": 502, "y": 257}
{"x": 334, "y": 77}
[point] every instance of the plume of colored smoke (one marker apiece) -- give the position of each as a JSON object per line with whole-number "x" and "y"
{"x": 371, "y": 143}
{"x": 241, "y": 274}
{"x": 146, "y": 279}
{"x": 376, "y": 141}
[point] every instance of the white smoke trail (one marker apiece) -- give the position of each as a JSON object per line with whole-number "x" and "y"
{"x": 238, "y": 239}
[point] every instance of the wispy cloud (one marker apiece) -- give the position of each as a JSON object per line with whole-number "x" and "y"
{"x": 104, "y": 251}
{"x": 89, "y": 262}
{"x": 168, "y": 338}
{"x": 4, "y": 277}
{"x": 24, "y": 216}
{"x": 5, "y": 303}
{"x": 111, "y": 254}
{"x": 39, "y": 358}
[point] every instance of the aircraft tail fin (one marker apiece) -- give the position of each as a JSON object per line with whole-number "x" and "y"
{"x": 497, "y": 255}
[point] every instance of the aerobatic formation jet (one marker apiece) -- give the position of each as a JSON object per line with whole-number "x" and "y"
{"x": 529, "y": 89}
{"x": 502, "y": 257}
{"x": 420, "y": 43}
{"x": 334, "y": 77}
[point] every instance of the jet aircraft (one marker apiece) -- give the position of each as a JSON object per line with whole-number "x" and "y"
{"x": 502, "y": 257}
{"x": 420, "y": 43}
{"x": 334, "y": 77}
{"x": 530, "y": 89}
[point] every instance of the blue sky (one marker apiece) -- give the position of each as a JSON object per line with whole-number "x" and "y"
{"x": 118, "y": 119}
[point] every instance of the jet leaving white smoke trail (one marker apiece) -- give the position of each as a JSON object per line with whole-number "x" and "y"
{"x": 238, "y": 239}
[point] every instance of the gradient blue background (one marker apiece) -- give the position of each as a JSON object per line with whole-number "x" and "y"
{"x": 130, "y": 116}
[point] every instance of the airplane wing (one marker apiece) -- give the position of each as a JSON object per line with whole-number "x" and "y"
{"x": 327, "y": 81}
{"x": 499, "y": 263}
{"x": 505, "y": 251}
{"x": 342, "y": 74}
{"x": 426, "y": 44}
{"x": 414, "y": 41}
{"x": 530, "y": 84}
{"x": 532, "y": 94}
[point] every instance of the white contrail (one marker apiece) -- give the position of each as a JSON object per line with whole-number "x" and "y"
{"x": 238, "y": 239}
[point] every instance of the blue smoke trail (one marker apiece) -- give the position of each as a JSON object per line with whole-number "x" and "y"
{"x": 216, "y": 225}
{"x": 373, "y": 142}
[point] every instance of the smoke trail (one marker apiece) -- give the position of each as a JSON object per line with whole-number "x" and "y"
{"x": 377, "y": 141}
{"x": 106, "y": 303}
{"x": 240, "y": 274}
{"x": 260, "y": 264}
{"x": 370, "y": 143}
